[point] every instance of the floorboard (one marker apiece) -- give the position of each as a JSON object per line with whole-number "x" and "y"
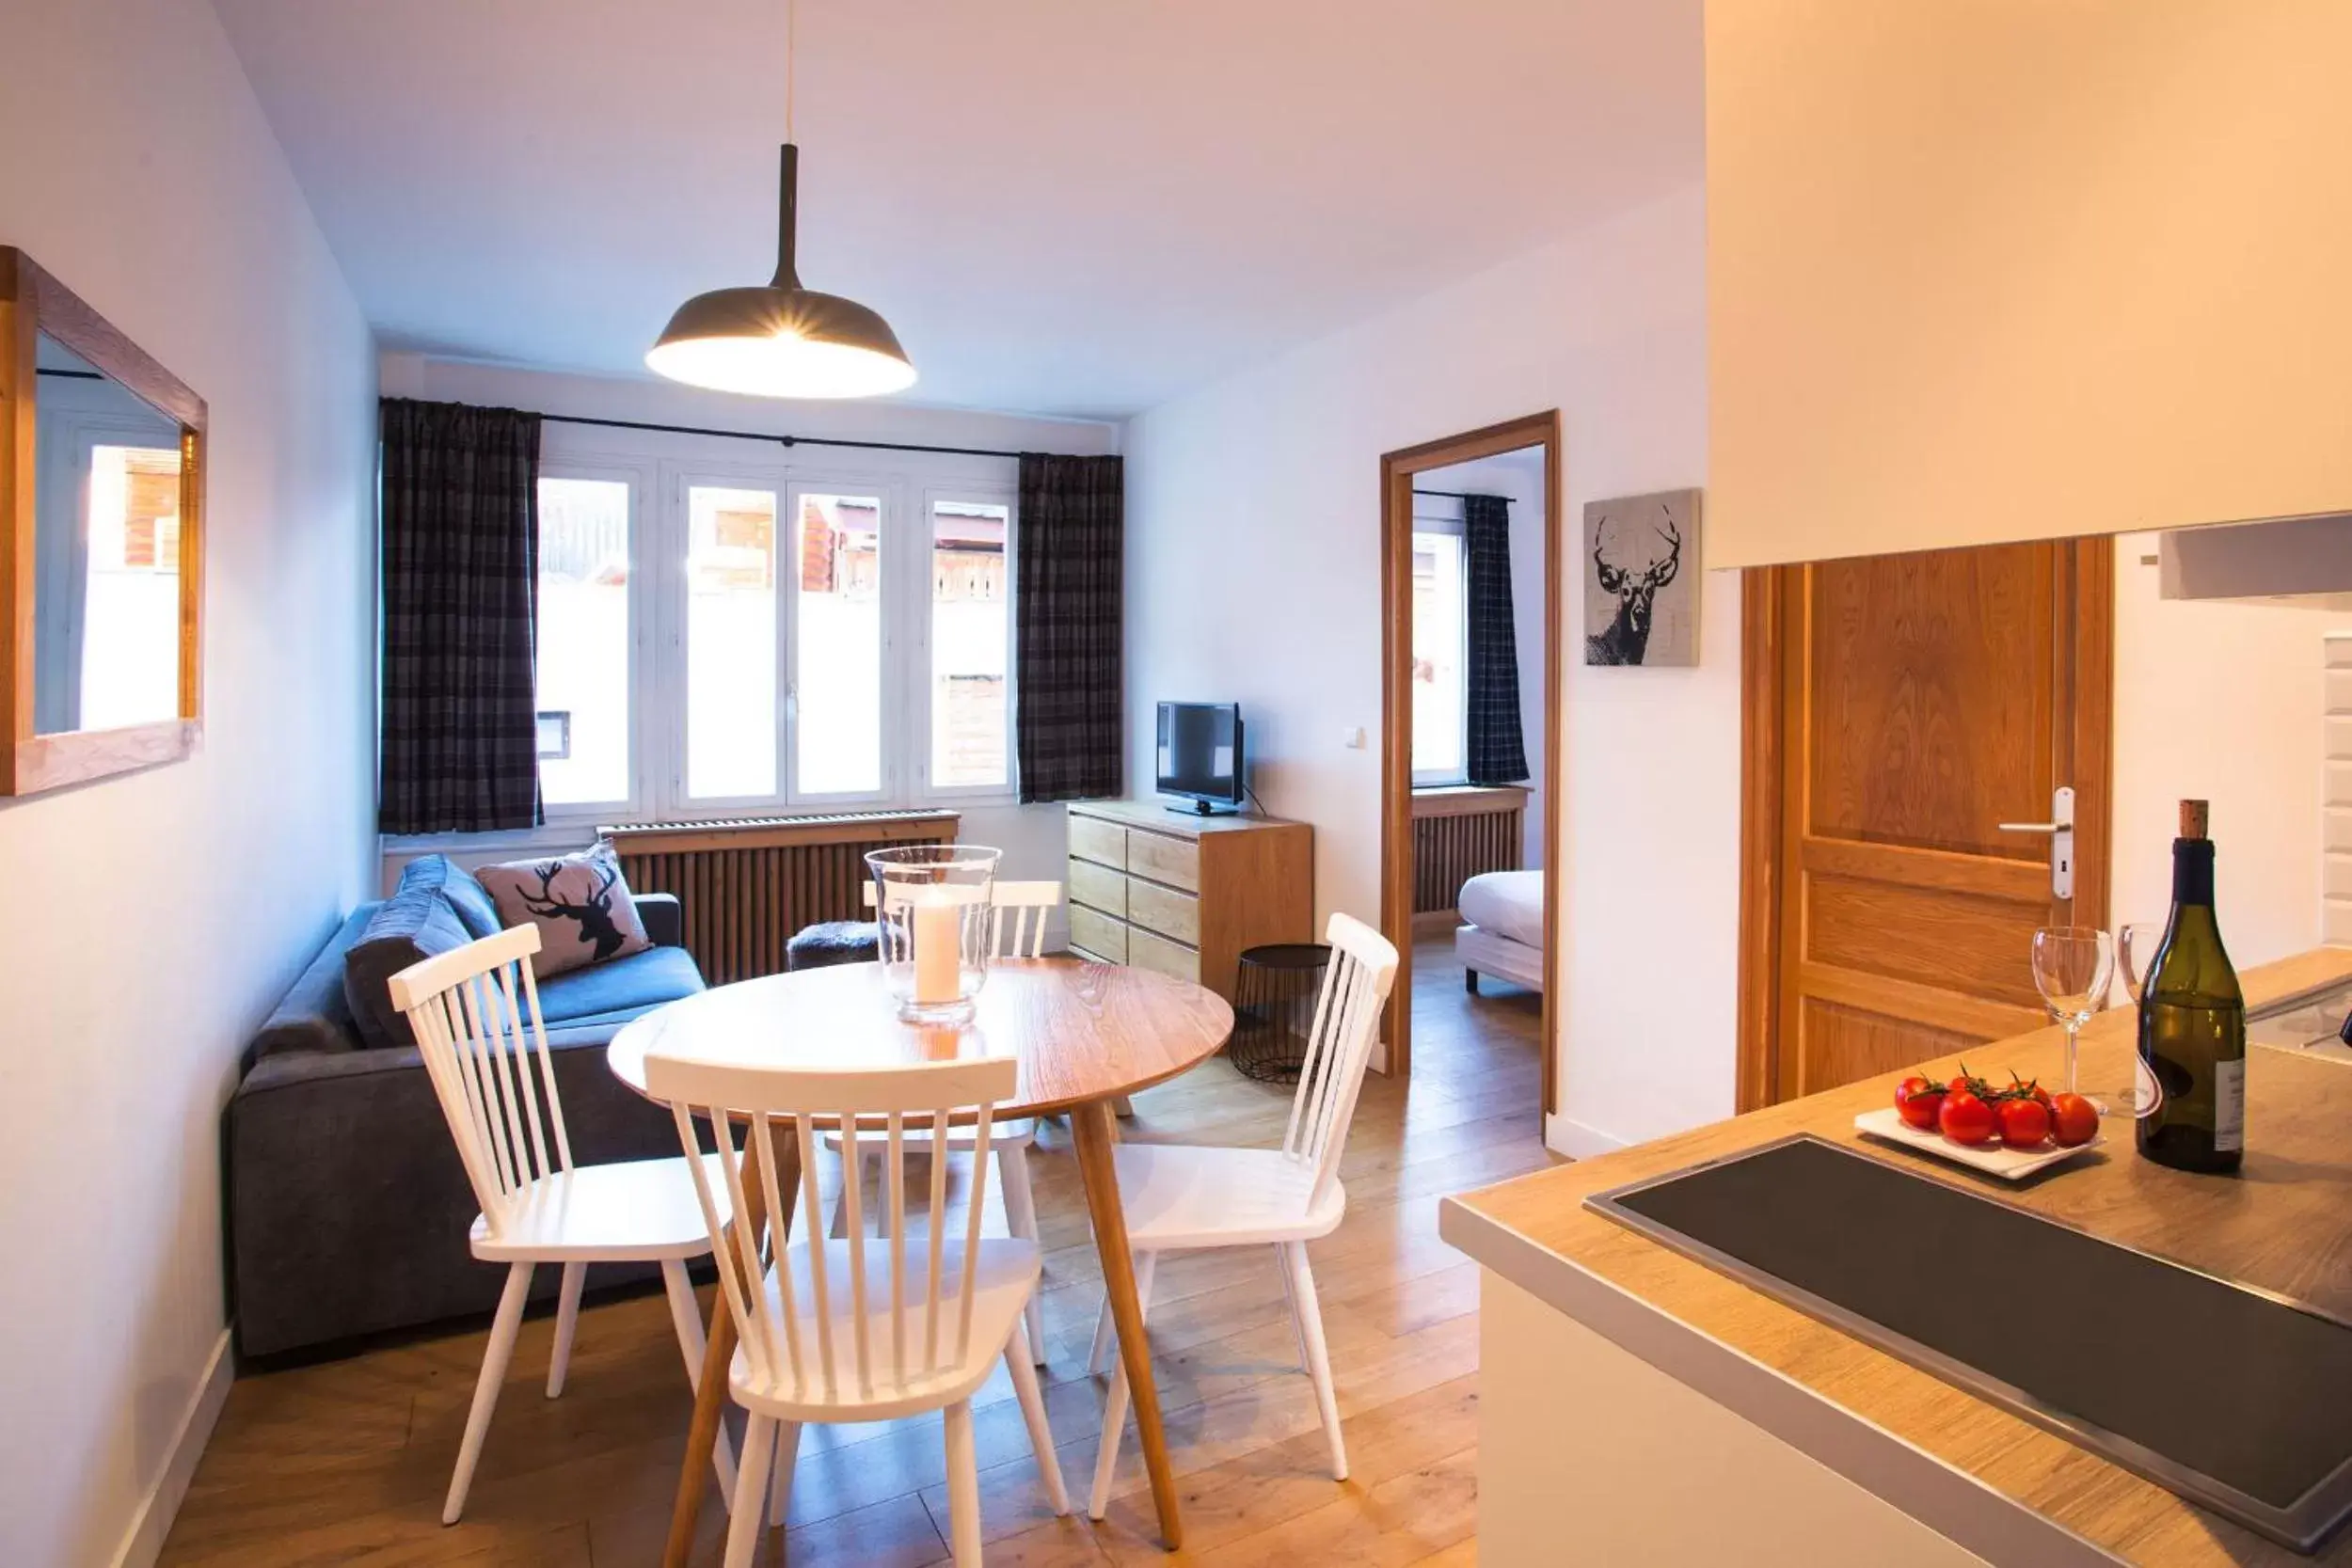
{"x": 345, "y": 1462}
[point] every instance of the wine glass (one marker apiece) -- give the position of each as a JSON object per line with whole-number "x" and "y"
{"x": 2072, "y": 967}
{"x": 2136, "y": 953}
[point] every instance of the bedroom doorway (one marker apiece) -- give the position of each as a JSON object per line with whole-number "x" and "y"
{"x": 1470, "y": 741}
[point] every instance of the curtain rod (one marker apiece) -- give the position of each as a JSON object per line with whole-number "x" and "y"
{"x": 780, "y": 440}
{"x": 1465, "y": 495}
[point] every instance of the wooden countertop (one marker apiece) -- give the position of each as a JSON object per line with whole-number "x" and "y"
{"x": 2284, "y": 1224}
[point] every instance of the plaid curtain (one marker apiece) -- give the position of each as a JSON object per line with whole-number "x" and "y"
{"x": 1496, "y": 754}
{"x": 460, "y": 562}
{"x": 1069, "y": 725}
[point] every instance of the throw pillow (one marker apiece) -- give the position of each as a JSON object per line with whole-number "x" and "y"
{"x": 579, "y": 903}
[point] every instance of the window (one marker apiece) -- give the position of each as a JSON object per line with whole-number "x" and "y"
{"x": 971, "y": 637}
{"x": 1441, "y": 659}
{"x": 730, "y": 642}
{"x": 582, "y": 670}
{"x": 838, "y": 690}
{"x": 129, "y": 631}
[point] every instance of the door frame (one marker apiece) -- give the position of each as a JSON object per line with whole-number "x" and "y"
{"x": 1397, "y": 469}
{"x": 1772, "y": 684}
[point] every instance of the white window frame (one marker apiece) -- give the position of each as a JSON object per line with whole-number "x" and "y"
{"x": 1434, "y": 778}
{"x": 919, "y": 676}
{"x": 639, "y": 477}
{"x": 890, "y": 493}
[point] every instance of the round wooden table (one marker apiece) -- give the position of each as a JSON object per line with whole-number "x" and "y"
{"x": 1085, "y": 1034}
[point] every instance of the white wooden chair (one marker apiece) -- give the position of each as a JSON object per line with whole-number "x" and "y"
{"x": 1016, "y": 930}
{"x": 860, "y": 1329}
{"x": 475, "y": 1013}
{"x": 1181, "y": 1196}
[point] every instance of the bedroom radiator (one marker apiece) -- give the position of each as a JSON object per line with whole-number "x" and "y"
{"x": 746, "y": 886}
{"x": 1460, "y": 833}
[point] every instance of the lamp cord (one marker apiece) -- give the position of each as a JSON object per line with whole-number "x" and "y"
{"x": 791, "y": 53}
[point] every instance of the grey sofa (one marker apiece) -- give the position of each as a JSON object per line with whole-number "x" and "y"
{"x": 347, "y": 1208}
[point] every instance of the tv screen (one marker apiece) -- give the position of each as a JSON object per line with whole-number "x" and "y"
{"x": 1201, "y": 751}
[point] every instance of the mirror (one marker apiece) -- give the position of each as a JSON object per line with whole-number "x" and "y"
{"x": 105, "y": 551}
{"x": 100, "y": 544}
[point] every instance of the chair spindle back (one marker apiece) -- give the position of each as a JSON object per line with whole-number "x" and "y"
{"x": 810, "y": 1339}
{"x": 1016, "y": 926}
{"x": 468, "y": 1008}
{"x": 1339, "y": 1046}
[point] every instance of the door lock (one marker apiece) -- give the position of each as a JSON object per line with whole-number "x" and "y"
{"x": 2061, "y": 831}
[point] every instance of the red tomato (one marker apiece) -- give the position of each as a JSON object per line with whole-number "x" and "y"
{"x": 1961, "y": 1085}
{"x": 1965, "y": 1118}
{"x": 1918, "y": 1101}
{"x": 2072, "y": 1120}
{"x": 2025, "y": 1123}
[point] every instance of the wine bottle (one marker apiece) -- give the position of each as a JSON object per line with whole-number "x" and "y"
{"x": 2192, "y": 1097}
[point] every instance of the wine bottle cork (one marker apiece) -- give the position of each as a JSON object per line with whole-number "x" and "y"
{"x": 2194, "y": 815}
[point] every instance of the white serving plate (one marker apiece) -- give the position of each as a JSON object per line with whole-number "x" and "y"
{"x": 1995, "y": 1159}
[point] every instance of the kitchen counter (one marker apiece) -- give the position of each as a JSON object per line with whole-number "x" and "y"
{"x": 1638, "y": 1406}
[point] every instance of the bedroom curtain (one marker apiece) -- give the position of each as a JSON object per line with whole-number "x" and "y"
{"x": 460, "y": 536}
{"x": 1069, "y": 726}
{"x": 1496, "y": 753}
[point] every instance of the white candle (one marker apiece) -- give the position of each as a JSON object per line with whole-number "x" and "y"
{"x": 935, "y": 958}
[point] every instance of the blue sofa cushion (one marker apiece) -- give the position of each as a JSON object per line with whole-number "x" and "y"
{"x": 413, "y": 924}
{"x": 314, "y": 1015}
{"x": 625, "y": 987}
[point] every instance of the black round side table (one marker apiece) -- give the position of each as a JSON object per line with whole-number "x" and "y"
{"x": 1274, "y": 1008}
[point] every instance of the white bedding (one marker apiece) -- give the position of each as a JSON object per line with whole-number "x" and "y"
{"x": 1508, "y": 903}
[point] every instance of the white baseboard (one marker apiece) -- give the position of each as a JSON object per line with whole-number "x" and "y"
{"x": 143, "y": 1542}
{"x": 1576, "y": 1140}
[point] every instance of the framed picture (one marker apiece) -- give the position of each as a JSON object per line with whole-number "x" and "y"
{"x": 1642, "y": 580}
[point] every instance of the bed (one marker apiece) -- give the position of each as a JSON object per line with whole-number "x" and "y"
{"x": 1502, "y": 933}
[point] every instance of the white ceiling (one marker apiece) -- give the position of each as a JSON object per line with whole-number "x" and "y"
{"x": 1063, "y": 206}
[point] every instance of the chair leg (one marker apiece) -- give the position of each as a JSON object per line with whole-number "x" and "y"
{"x": 963, "y": 1487}
{"x": 1122, "y": 1106}
{"x": 688, "y": 1321}
{"x": 1289, "y": 1295}
{"x": 1115, "y": 1400}
{"x": 486, "y": 1388}
{"x": 567, "y": 1326}
{"x": 1013, "y": 1169}
{"x": 1018, "y": 1362}
{"x": 1318, "y": 1359}
{"x": 779, "y": 1482}
{"x": 1099, "y": 1356}
{"x": 759, "y": 1445}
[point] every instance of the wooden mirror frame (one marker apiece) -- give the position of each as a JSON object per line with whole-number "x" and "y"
{"x": 31, "y": 303}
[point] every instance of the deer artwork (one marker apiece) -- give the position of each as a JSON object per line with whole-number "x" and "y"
{"x": 1635, "y": 588}
{"x": 594, "y": 916}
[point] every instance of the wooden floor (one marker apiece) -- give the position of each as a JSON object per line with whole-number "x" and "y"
{"x": 346, "y": 1462}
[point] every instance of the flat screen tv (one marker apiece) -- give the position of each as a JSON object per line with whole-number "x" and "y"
{"x": 1201, "y": 756}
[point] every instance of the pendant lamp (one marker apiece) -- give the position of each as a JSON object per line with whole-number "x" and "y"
{"x": 780, "y": 339}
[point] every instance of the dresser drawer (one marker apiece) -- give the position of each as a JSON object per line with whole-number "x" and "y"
{"x": 1146, "y": 951}
{"x": 1093, "y": 839}
{"x": 1165, "y": 911}
{"x": 1097, "y": 887}
{"x": 1098, "y": 934}
{"x": 1174, "y": 860}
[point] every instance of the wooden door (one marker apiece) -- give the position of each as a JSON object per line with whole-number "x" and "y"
{"x": 1900, "y": 709}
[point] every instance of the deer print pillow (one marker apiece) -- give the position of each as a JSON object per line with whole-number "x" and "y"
{"x": 582, "y": 907}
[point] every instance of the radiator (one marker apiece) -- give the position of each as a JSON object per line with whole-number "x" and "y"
{"x": 1461, "y": 833}
{"x": 746, "y": 886}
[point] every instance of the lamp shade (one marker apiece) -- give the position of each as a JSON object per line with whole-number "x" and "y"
{"x": 779, "y": 340}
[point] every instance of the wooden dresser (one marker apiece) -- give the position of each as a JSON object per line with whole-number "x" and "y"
{"x": 1184, "y": 894}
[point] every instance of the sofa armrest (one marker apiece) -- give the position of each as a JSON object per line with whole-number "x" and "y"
{"x": 664, "y": 917}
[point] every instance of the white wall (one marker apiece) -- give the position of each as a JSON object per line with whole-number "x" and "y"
{"x": 1032, "y": 837}
{"x": 1518, "y": 475}
{"x": 152, "y": 920}
{"x": 1253, "y": 575}
{"x": 2223, "y": 701}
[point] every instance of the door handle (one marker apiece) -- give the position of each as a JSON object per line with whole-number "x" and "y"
{"x": 2061, "y": 831}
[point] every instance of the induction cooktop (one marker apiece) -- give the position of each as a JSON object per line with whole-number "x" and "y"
{"x": 2235, "y": 1398}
